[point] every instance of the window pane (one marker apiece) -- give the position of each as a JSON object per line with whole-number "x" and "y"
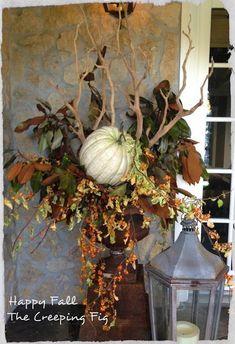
{"x": 218, "y": 145}
{"x": 218, "y": 184}
{"x": 219, "y": 93}
{"x": 219, "y": 44}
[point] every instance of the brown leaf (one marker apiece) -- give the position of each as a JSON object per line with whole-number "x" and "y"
{"x": 44, "y": 167}
{"x": 26, "y": 173}
{"x": 185, "y": 173}
{"x": 165, "y": 84}
{"x": 57, "y": 212}
{"x": 156, "y": 209}
{"x": 194, "y": 164}
{"x": 41, "y": 108}
{"x": 89, "y": 77}
{"x": 188, "y": 140}
{"x": 183, "y": 192}
{"x": 14, "y": 170}
{"x": 76, "y": 171}
{"x": 191, "y": 163}
{"x": 162, "y": 212}
{"x": 146, "y": 205}
{"x": 31, "y": 121}
{"x": 51, "y": 179}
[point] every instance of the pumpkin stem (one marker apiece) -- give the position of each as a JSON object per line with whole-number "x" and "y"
{"x": 121, "y": 135}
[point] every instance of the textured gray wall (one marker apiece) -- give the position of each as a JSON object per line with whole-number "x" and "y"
{"x": 38, "y": 51}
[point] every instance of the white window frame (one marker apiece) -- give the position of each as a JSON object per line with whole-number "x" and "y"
{"x": 197, "y": 69}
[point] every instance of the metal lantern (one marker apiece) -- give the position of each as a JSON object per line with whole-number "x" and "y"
{"x": 119, "y": 8}
{"x": 186, "y": 283}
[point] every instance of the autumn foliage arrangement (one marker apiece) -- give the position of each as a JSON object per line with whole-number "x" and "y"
{"x": 92, "y": 189}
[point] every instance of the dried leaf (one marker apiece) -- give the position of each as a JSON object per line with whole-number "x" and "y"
{"x": 194, "y": 164}
{"x": 57, "y": 212}
{"x": 44, "y": 167}
{"x": 26, "y": 173}
{"x": 31, "y": 121}
{"x": 185, "y": 173}
{"x": 89, "y": 77}
{"x": 14, "y": 171}
{"x": 51, "y": 179}
{"x": 75, "y": 170}
{"x": 44, "y": 103}
{"x": 8, "y": 203}
{"x": 41, "y": 108}
{"x": 164, "y": 84}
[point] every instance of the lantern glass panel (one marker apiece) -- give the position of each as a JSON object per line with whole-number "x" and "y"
{"x": 161, "y": 309}
{"x": 192, "y": 306}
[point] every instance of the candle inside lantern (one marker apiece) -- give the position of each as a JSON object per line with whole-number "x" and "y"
{"x": 187, "y": 333}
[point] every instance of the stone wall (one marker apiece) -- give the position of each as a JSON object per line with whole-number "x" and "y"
{"x": 38, "y": 53}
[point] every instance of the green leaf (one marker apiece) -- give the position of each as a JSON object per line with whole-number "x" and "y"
{"x": 220, "y": 203}
{"x": 35, "y": 181}
{"x": 15, "y": 186}
{"x": 57, "y": 139}
{"x": 119, "y": 190}
{"x": 180, "y": 129}
{"x": 68, "y": 183}
{"x": 163, "y": 145}
{"x": 49, "y": 135}
{"x": 65, "y": 161}
{"x": 42, "y": 143}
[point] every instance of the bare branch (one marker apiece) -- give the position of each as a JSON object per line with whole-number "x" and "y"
{"x": 181, "y": 113}
{"x": 105, "y": 65}
{"x": 103, "y": 110}
{"x": 75, "y": 48}
{"x": 190, "y": 48}
{"x": 131, "y": 67}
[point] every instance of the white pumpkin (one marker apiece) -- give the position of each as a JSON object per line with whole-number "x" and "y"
{"x": 107, "y": 155}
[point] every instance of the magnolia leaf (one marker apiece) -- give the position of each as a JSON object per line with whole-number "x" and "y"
{"x": 49, "y": 136}
{"x": 43, "y": 124}
{"x": 163, "y": 145}
{"x": 71, "y": 120}
{"x": 44, "y": 103}
{"x": 220, "y": 203}
{"x": 15, "y": 186}
{"x": 35, "y": 181}
{"x": 14, "y": 171}
{"x": 57, "y": 139}
{"x": 26, "y": 124}
{"x": 26, "y": 173}
{"x": 41, "y": 108}
{"x": 50, "y": 180}
{"x": 42, "y": 143}
{"x": 180, "y": 130}
{"x": 68, "y": 183}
